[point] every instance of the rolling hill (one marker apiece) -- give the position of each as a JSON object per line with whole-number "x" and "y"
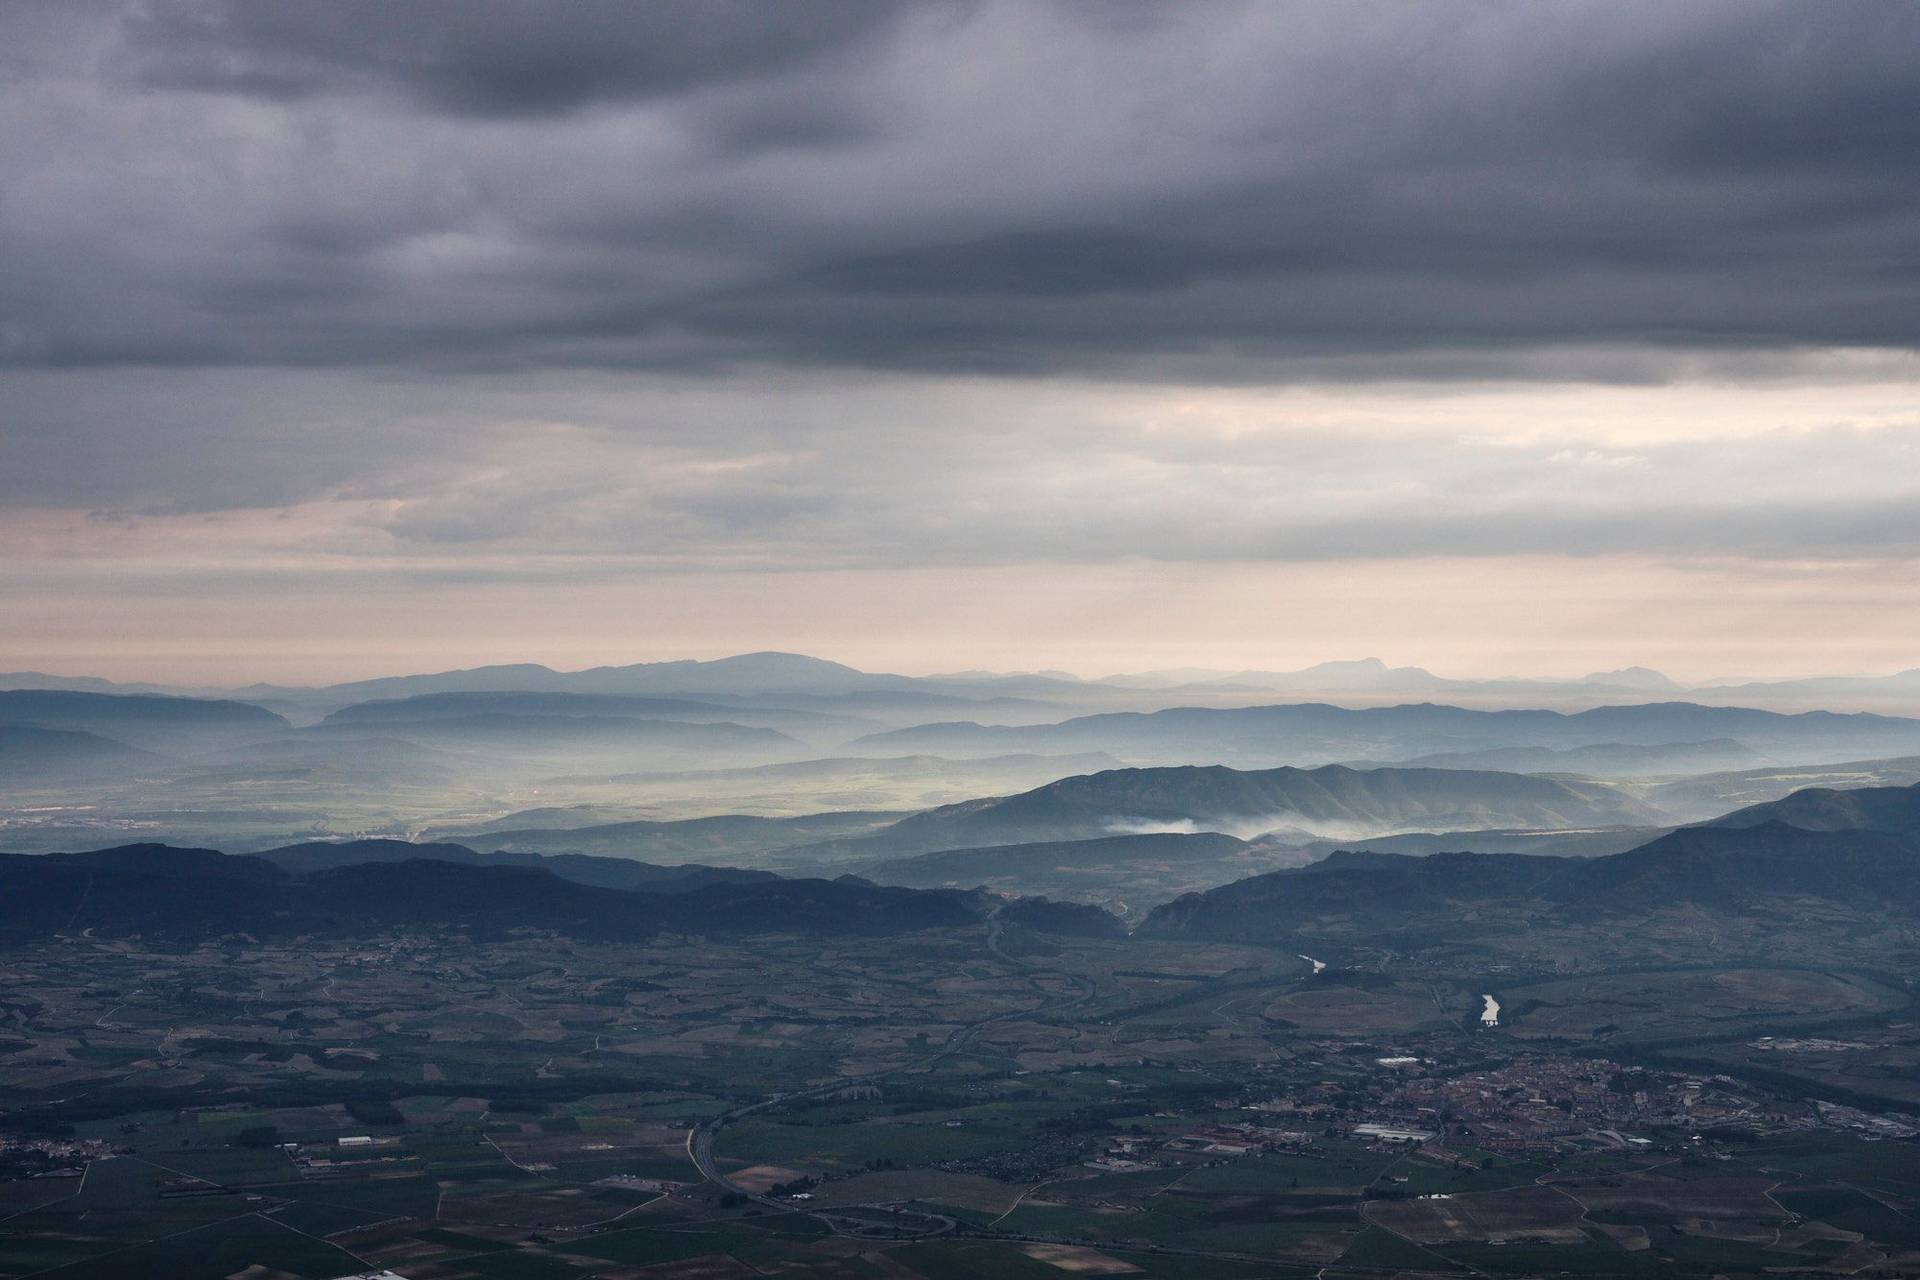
{"x": 140, "y": 720}
{"x": 1329, "y": 800}
{"x": 29, "y": 753}
{"x": 1312, "y": 733}
{"x": 1816, "y": 858}
{"x": 1708, "y": 881}
{"x": 1891, "y": 810}
{"x": 1360, "y": 897}
{"x": 1768, "y": 867}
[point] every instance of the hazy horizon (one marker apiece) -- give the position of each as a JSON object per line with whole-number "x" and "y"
{"x": 230, "y": 671}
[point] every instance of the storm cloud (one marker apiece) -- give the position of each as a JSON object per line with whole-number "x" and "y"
{"x": 376, "y": 293}
{"x": 1021, "y": 187}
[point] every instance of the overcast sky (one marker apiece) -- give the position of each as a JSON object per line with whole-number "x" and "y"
{"x": 350, "y": 337}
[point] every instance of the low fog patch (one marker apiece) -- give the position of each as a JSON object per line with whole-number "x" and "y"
{"x": 1285, "y": 824}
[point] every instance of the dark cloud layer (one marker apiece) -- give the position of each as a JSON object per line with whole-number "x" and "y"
{"x": 1207, "y": 189}
{"x": 484, "y": 57}
{"x": 588, "y": 314}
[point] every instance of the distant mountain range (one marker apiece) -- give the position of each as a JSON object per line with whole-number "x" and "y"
{"x": 423, "y": 711}
{"x": 838, "y": 687}
{"x": 1306, "y": 733}
{"x": 623, "y": 761}
{"x": 743, "y": 676}
{"x": 1143, "y": 719}
{"x": 1371, "y": 676}
{"x": 747, "y": 673}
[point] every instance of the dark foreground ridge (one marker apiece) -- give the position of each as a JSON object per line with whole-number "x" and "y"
{"x": 189, "y": 895}
{"x": 1771, "y": 875}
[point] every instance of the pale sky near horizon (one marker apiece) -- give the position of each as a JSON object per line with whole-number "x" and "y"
{"x": 362, "y": 338}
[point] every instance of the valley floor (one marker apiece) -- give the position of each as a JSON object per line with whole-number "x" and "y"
{"x": 952, "y": 1103}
